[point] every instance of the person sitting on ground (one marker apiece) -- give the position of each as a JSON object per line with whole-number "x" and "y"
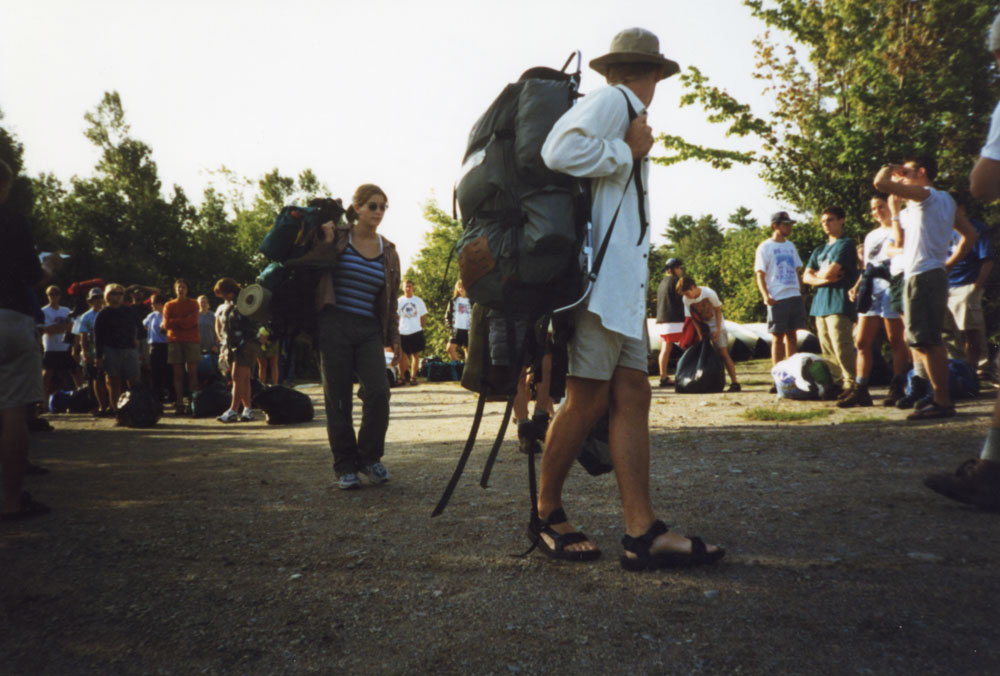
{"x": 457, "y": 318}
{"x": 703, "y": 305}
{"x": 116, "y": 340}
{"x": 85, "y": 329}
{"x": 669, "y": 314}
{"x": 57, "y": 359}
{"x": 180, "y": 319}
{"x": 240, "y": 346}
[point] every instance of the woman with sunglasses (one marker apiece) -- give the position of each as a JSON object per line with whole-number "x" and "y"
{"x": 356, "y": 303}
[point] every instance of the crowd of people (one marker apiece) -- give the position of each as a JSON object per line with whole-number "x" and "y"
{"x": 919, "y": 272}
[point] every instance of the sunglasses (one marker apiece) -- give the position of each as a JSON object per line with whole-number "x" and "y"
{"x": 375, "y": 206}
{"x": 116, "y": 293}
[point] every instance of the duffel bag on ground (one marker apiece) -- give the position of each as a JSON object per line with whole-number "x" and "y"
{"x": 284, "y": 405}
{"x": 139, "y": 407}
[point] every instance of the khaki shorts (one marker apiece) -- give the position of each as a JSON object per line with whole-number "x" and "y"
{"x": 925, "y": 301}
{"x": 595, "y": 352}
{"x": 183, "y": 353}
{"x": 20, "y": 360}
{"x": 247, "y": 353}
{"x": 965, "y": 303}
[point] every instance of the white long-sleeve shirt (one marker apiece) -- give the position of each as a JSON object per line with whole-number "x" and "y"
{"x": 589, "y": 141}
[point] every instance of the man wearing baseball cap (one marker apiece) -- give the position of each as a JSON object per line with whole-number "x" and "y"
{"x": 669, "y": 314}
{"x": 85, "y": 330}
{"x": 597, "y": 139}
{"x": 776, "y": 265}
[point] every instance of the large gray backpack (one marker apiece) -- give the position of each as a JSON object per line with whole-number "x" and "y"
{"x": 523, "y": 223}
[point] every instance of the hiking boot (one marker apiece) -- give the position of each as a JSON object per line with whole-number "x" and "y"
{"x": 975, "y": 482}
{"x": 858, "y": 396}
{"x": 773, "y": 389}
{"x": 918, "y": 388}
{"x": 665, "y": 381}
{"x": 376, "y": 473}
{"x": 247, "y": 415}
{"x": 897, "y": 390}
{"x": 842, "y": 392}
{"x": 348, "y": 482}
{"x": 229, "y": 416}
{"x": 734, "y": 387}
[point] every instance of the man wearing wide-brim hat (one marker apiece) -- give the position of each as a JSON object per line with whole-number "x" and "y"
{"x": 606, "y": 138}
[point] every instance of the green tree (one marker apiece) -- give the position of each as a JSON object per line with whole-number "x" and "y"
{"x": 861, "y": 83}
{"x": 12, "y": 152}
{"x": 434, "y": 272}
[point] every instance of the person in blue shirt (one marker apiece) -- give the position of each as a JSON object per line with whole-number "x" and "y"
{"x": 965, "y": 326}
{"x": 832, "y": 270}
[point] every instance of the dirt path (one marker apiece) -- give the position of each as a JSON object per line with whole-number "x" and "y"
{"x": 194, "y": 547}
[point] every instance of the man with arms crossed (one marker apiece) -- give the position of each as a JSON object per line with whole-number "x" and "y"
{"x": 607, "y": 355}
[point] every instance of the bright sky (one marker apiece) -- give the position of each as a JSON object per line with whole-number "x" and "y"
{"x": 377, "y": 91}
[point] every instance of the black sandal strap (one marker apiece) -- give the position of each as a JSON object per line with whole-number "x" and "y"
{"x": 556, "y": 516}
{"x": 697, "y": 546}
{"x": 640, "y": 545}
{"x": 562, "y": 540}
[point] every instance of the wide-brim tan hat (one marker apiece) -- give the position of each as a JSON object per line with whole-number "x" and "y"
{"x": 635, "y": 45}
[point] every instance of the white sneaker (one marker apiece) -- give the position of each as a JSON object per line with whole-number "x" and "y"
{"x": 229, "y": 416}
{"x": 247, "y": 415}
{"x": 348, "y": 482}
{"x": 376, "y": 473}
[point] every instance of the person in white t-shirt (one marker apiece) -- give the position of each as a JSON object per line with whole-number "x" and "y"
{"x": 703, "y": 305}
{"x": 776, "y": 265}
{"x": 977, "y": 480}
{"x": 928, "y": 221}
{"x": 412, "y": 319}
{"x": 458, "y": 317}
{"x": 57, "y": 357}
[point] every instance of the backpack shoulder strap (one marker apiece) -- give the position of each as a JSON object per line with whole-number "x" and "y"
{"x": 637, "y": 176}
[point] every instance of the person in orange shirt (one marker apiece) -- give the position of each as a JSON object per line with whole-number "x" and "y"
{"x": 180, "y": 321}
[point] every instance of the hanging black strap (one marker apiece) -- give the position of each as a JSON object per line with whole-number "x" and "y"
{"x": 469, "y": 443}
{"x": 488, "y": 468}
{"x": 640, "y": 191}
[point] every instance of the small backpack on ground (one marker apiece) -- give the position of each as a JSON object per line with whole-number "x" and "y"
{"x": 211, "y": 400}
{"x": 82, "y": 400}
{"x": 284, "y": 405}
{"x": 139, "y": 407}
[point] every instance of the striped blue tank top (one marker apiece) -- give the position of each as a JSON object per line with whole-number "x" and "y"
{"x": 357, "y": 280}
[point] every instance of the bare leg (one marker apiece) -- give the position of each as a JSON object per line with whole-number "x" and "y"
{"x": 867, "y": 330}
{"x": 664, "y": 359}
{"x": 936, "y": 361}
{"x": 728, "y": 361}
{"x": 115, "y": 390}
{"x": 777, "y": 348}
{"x": 629, "y": 441}
{"x": 178, "y": 383}
{"x": 586, "y": 401}
{"x": 791, "y": 343}
{"x": 895, "y": 331}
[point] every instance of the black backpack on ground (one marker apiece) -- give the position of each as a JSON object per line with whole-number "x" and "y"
{"x": 700, "y": 370}
{"x": 284, "y": 405}
{"x": 210, "y": 401}
{"x": 139, "y": 407}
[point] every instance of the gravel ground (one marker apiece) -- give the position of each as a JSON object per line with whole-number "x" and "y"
{"x": 194, "y": 547}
